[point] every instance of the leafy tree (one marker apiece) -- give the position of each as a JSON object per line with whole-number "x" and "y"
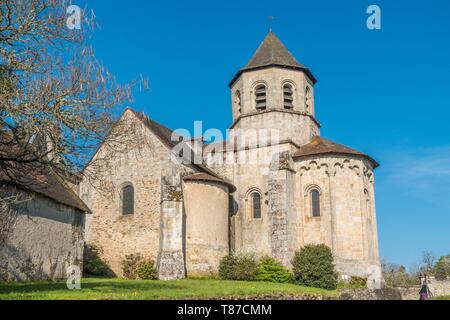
{"x": 442, "y": 268}
{"x": 397, "y": 275}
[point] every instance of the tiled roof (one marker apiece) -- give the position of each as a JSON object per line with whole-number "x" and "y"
{"x": 165, "y": 135}
{"x": 201, "y": 176}
{"x": 34, "y": 176}
{"x": 319, "y": 145}
{"x": 51, "y": 186}
{"x": 272, "y": 52}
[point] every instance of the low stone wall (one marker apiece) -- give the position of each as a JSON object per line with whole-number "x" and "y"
{"x": 437, "y": 289}
{"x": 383, "y": 294}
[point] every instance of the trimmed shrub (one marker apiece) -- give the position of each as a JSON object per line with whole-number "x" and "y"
{"x": 134, "y": 267}
{"x": 313, "y": 267}
{"x": 130, "y": 266}
{"x": 93, "y": 265}
{"x": 272, "y": 271}
{"x": 227, "y": 267}
{"x": 238, "y": 267}
{"x": 147, "y": 270}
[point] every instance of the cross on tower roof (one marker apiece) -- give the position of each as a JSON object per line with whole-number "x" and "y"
{"x": 270, "y": 53}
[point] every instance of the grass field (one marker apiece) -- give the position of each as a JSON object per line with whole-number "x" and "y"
{"x": 443, "y": 298}
{"x": 118, "y": 289}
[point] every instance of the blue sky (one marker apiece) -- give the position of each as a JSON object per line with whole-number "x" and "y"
{"x": 386, "y": 92}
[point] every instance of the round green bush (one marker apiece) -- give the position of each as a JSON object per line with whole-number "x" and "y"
{"x": 238, "y": 267}
{"x": 313, "y": 267}
{"x": 272, "y": 271}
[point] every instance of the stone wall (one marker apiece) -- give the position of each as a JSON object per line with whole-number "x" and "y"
{"x": 347, "y": 223}
{"x": 348, "y": 216}
{"x": 296, "y": 124}
{"x": 382, "y": 294}
{"x": 47, "y": 238}
{"x": 142, "y": 166}
{"x": 437, "y": 289}
{"x": 207, "y": 226}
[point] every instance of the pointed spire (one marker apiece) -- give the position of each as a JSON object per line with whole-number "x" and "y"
{"x": 273, "y": 53}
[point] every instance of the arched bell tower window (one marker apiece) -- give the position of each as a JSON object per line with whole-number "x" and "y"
{"x": 261, "y": 97}
{"x": 127, "y": 197}
{"x": 315, "y": 203}
{"x": 237, "y": 101}
{"x": 368, "y": 205}
{"x": 308, "y": 100}
{"x": 288, "y": 96}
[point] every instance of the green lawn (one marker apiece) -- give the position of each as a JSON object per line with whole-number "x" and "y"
{"x": 118, "y": 289}
{"x": 443, "y": 298}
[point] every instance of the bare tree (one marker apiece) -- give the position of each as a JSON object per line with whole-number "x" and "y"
{"x": 10, "y": 200}
{"x": 428, "y": 261}
{"x": 57, "y": 101}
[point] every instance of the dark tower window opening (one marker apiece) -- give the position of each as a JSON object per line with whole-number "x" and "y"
{"x": 261, "y": 97}
{"x": 237, "y": 101}
{"x": 288, "y": 96}
{"x": 308, "y": 100}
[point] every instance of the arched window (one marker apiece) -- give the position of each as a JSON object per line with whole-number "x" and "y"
{"x": 308, "y": 100}
{"x": 237, "y": 101}
{"x": 256, "y": 205}
{"x": 288, "y": 96}
{"x": 127, "y": 200}
{"x": 315, "y": 203}
{"x": 261, "y": 97}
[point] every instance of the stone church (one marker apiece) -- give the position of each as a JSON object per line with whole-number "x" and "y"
{"x": 187, "y": 215}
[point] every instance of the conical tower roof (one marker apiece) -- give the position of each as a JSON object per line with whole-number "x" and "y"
{"x": 273, "y": 53}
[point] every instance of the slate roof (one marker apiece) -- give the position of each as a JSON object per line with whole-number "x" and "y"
{"x": 273, "y": 53}
{"x": 319, "y": 145}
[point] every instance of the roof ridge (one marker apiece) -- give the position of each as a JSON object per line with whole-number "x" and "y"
{"x": 168, "y": 142}
{"x": 319, "y": 145}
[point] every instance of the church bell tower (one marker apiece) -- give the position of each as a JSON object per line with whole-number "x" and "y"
{"x": 274, "y": 91}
